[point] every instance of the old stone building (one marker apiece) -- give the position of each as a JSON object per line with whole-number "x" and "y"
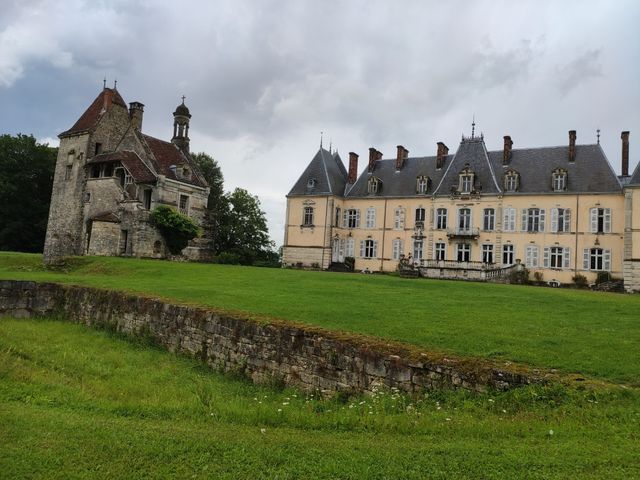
{"x": 474, "y": 214}
{"x": 109, "y": 176}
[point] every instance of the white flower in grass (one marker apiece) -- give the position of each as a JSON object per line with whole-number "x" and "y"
{"x": 263, "y": 431}
{"x": 279, "y": 410}
{"x": 550, "y": 432}
{"x": 285, "y": 403}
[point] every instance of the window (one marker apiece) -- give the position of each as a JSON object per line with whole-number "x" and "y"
{"x": 507, "y": 255}
{"x": 146, "y": 199}
{"x": 98, "y": 149}
{"x": 368, "y": 248}
{"x": 509, "y": 223}
{"x": 466, "y": 183}
{"x": 600, "y": 220}
{"x": 559, "y": 180}
{"x": 417, "y": 249}
{"x": 441, "y": 251}
{"x": 307, "y": 217}
{"x": 337, "y": 219}
{"x": 561, "y": 220}
{"x": 487, "y": 253}
{"x": 420, "y": 216}
{"x": 184, "y": 204}
{"x": 441, "y": 218}
{"x": 67, "y": 172}
{"x": 370, "y": 218}
{"x": 351, "y": 218}
{"x": 398, "y": 219}
{"x": 489, "y": 219}
{"x": 311, "y": 182}
{"x": 556, "y": 257}
{"x": 597, "y": 259}
{"x": 464, "y": 219}
{"x": 108, "y": 170}
{"x": 95, "y": 171}
{"x": 87, "y": 197}
{"x": 124, "y": 241}
{"x": 421, "y": 185}
{"x": 531, "y": 256}
{"x": 397, "y": 249}
{"x": 511, "y": 181}
{"x": 533, "y": 219}
{"x": 463, "y": 252}
{"x": 374, "y": 184}
{"x": 350, "y": 248}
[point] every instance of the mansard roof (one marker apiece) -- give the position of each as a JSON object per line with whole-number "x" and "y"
{"x": 400, "y": 183}
{"x": 167, "y": 155}
{"x": 89, "y": 119}
{"x": 589, "y": 173}
{"x": 325, "y": 175}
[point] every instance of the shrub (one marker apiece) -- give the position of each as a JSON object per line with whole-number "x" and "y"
{"x": 227, "y": 258}
{"x": 603, "y": 277}
{"x": 350, "y": 263}
{"x": 580, "y": 280}
{"x": 520, "y": 276}
{"x": 176, "y": 229}
{"x": 538, "y": 277}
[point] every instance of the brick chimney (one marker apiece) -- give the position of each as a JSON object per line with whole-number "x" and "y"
{"x": 353, "y": 168}
{"x": 572, "y": 145}
{"x": 403, "y": 153}
{"x": 443, "y": 151}
{"x": 506, "y": 153}
{"x": 136, "y": 110}
{"x": 374, "y": 155}
{"x": 625, "y": 153}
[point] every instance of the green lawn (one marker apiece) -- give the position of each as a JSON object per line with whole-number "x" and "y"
{"x": 595, "y": 334}
{"x": 82, "y": 403}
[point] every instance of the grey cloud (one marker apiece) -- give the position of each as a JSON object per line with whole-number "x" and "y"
{"x": 579, "y": 71}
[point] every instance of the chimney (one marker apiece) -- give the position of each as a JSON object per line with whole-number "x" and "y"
{"x": 443, "y": 151}
{"x": 107, "y": 97}
{"x": 625, "y": 153}
{"x": 572, "y": 145}
{"x": 136, "y": 109}
{"x": 353, "y": 168}
{"x": 373, "y": 154}
{"x": 403, "y": 153}
{"x": 506, "y": 153}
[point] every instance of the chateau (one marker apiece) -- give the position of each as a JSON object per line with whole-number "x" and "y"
{"x": 474, "y": 214}
{"x": 108, "y": 178}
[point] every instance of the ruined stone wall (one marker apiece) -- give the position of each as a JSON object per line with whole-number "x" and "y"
{"x": 302, "y": 356}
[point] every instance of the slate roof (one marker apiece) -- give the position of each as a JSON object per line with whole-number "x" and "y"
{"x": 328, "y": 173}
{"x": 92, "y": 115}
{"x": 132, "y": 162}
{"x": 401, "y": 183}
{"x": 167, "y": 154}
{"x": 635, "y": 177}
{"x": 589, "y": 173}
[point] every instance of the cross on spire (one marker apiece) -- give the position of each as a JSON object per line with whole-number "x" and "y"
{"x": 183, "y": 97}
{"x": 473, "y": 127}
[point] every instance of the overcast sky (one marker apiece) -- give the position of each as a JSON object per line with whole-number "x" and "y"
{"x": 264, "y": 78}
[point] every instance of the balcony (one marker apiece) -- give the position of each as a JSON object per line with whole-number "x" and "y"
{"x": 476, "y": 271}
{"x": 472, "y": 233}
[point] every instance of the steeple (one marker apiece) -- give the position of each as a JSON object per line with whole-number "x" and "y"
{"x": 181, "y": 126}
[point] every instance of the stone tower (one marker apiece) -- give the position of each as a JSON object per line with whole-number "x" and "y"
{"x": 181, "y": 127}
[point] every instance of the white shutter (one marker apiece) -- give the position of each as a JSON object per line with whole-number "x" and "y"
{"x": 358, "y": 218}
{"x": 542, "y": 220}
{"x": 524, "y": 220}
{"x": 607, "y": 220}
{"x": 375, "y": 249}
{"x": 567, "y": 220}
{"x": 594, "y": 220}
{"x": 554, "y": 220}
{"x": 362, "y": 248}
{"x": 401, "y": 248}
{"x": 566, "y": 257}
{"x": 585, "y": 259}
{"x": 351, "y": 244}
{"x": 545, "y": 257}
{"x": 606, "y": 261}
{"x": 345, "y": 222}
{"x": 402, "y": 218}
{"x": 373, "y": 218}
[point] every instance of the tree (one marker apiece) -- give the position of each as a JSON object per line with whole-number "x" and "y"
{"x": 243, "y": 229}
{"x": 176, "y": 229}
{"x": 213, "y": 175}
{"x": 26, "y": 179}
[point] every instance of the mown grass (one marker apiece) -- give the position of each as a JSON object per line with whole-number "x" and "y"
{"x": 83, "y": 403}
{"x": 591, "y": 333}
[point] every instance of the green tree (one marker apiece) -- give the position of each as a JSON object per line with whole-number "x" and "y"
{"x": 176, "y": 229}
{"x": 243, "y": 230}
{"x": 26, "y": 179}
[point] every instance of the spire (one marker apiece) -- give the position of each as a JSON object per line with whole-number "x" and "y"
{"x": 104, "y": 82}
{"x": 321, "y": 133}
{"x": 473, "y": 126}
{"x": 598, "y": 135}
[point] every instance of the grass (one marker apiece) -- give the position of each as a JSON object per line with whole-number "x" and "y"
{"x": 591, "y": 333}
{"x": 83, "y": 403}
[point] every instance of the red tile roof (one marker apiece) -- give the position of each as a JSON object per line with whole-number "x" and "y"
{"x": 100, "y": 105}
{"x": 168, "y": 154}
{"x": 131, "y": 161}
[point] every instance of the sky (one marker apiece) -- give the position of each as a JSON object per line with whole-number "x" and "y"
{"x": 264, "y": 78}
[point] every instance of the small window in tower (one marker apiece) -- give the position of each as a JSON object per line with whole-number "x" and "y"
{"x": 184, "y": 204}
{"x": 98, "y": 148}
{"x": 67, "y": 172}
{"x": 95, "y": 171}
{"x": 147, "y": 199}
{"x": 87, "y": 197}
{"x": 108, "y": 170}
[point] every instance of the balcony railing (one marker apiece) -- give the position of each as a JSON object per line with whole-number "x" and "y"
{"x": 463, "y": 232}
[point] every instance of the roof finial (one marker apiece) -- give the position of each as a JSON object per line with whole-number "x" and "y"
{"x": 598, "y": 135}
{"x": 321, "y": 133}
{"x": 330, "y": 145}
{"x": 115, "y": 84}
{"x": 473, "y": 126}
{"x": 104, "y": 82}
{"x": 183, "y": 97}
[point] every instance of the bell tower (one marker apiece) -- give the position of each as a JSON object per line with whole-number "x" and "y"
{"x": 181, "y": 127}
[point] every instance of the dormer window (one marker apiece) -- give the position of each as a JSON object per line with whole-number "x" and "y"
{"x": 465, "y": 184}
{"x": 311, "y": 183}
{"x": 422, "y": 184}
{"x": 511, "y": 181}
{"x": 559, "y": 180}
{"x": 374, "y": 185}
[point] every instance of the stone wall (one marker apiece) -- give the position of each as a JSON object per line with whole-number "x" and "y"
{"x": 306, "y": 357}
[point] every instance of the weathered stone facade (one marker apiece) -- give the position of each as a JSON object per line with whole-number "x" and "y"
{"x": 302, "y": 356}
{"x": 108, "y": 178}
